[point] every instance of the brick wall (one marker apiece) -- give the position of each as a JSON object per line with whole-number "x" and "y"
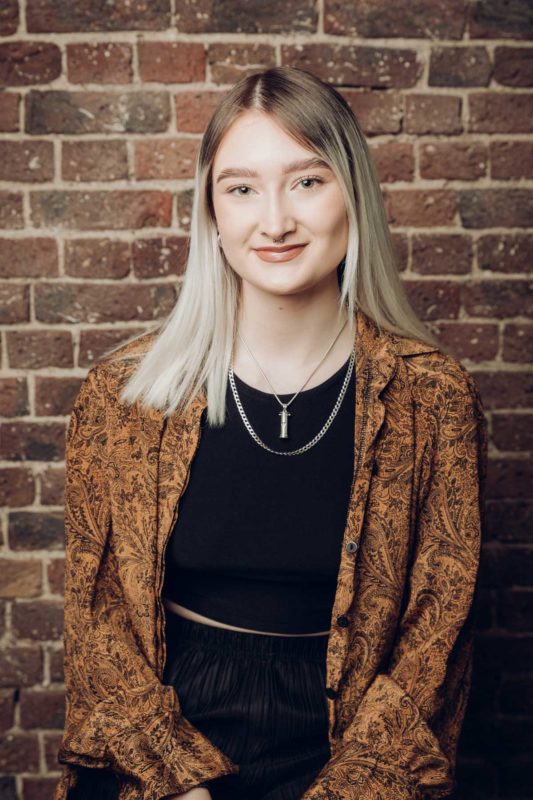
{"x": 101, "y": 117}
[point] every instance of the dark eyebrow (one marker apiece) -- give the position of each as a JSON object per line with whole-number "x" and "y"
{"x": 293, "y": 166}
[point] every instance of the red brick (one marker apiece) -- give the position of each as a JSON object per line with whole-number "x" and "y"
{"x": 26, "y": 63}
{"x": 52, "y": 481}
{"x": 95, "y": 342}
{"x": 99, "y": 62}
{"x": 512, "y": 431}
{"x": 505, "y": 389}
{"x": 185, "y": 198}
{"x": 442, "y": 254}
{"x": 11, "y": 213}
{"x": 51, "y": 747}
{"x": 420, "y": 207}
{"x": 101, "y": 160}
{"x": 233, "y": 16}
{"x": 20, "y": 578}
{"x": 21, "y": 665}
{"x": 400, "y": 245}
{"x": 19, "y": 752}
{"x": 54, "y": 396}
{"x": 229, "y": 62}
{"x": 97, "y": 258}
{"x": 56, "y": 665}
{"x": 377, "y": 67}
{"x": 513, "y": 66}
{"x": 56, "y": 576}
{"x": 491, "y": 208}
{"x": 42, "y": 709}
{"x": 17, "y": 486}
{"x": 433, "y": 19}
{"x": 9, "y": 17}
{"x": 29, "y": 349}
{"x": 434, "y": 299}
{"x": 31, "y": 530}
{"x": 171, "y": 62}
{"x": 518, "y": 342}
{"x": 501, "y": 112}
{"x": 459, "y": 66}
{"x": 498, "y": 19}
{"x": 54, "y": 16}
{"x": 38, "y": 788}
{"x": 156, "y": 258}
{"x": 9, "y": 111}
{"x": 376, "y": 112}
{"x": 37, "y": 619}
{"x": 468, "y": 340}
{"x": 498, "y": 298}
{"x": 7, "y": 709}
{"x": 165, "y": 159}
{"x": 28, "y": 258}
{"x": 505, "y": 252}
{"x": 120, "y": 209}
{"x": 394, "y": 161}
{"x": 33, "y": 441}
{"x": 510, "y": 478}
{"x": 432, "y": 114}
{"x": 465, "y": 161}
{"x": 509, "y": 520}
{"x": 96, "y": 112}
{"x": 14, "y": 302}
{"x": 194, "y": 109}
{"x": 96, "y": 303}
{"x": 511, "y": 160}
{"x": 13, "y": 397}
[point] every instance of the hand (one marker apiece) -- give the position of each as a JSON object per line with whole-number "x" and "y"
{"x": 198, "y": 793}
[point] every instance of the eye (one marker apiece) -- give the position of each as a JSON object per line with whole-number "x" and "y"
{"x": 312, "y": 178}
{"x": 233, "y": 190}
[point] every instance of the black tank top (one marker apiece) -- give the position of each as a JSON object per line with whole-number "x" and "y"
{"x": 257, "y": 541}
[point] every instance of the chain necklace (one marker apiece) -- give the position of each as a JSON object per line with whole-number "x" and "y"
{"x": 284, "y": 414}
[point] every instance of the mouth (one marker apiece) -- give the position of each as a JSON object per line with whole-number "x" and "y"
{"x": 282, "y": 249}
{"x": 279, "y": 254}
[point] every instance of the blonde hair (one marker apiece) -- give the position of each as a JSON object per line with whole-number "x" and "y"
{"x": 193, "y": 348}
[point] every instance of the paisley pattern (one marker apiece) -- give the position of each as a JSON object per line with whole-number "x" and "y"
{"x": 398, "y": 674}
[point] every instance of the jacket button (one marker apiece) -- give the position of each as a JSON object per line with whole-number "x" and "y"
{"x": 331, "y": 693}
{"x": 352, "y": 546}
{"x": 343, "y": 621}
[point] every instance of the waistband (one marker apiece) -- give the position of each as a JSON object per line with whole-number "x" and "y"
{"x": 255, "y": 645}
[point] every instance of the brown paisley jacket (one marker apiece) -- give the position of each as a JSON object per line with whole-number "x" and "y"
{"x": 398, "y": 676}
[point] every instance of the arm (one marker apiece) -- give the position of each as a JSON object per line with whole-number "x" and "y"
{"x": 409, "y": 720}
{"x": 123, "y": 726}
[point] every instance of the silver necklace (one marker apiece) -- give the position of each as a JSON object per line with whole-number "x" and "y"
{"x": 284, "y": 413}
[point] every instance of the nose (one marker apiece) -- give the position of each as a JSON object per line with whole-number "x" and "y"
{"x": 277, "y": 219}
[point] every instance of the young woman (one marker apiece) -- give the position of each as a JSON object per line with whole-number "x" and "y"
{"x": 273, "y": 500}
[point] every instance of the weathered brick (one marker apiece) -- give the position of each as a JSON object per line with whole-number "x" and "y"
{"x": 394, "y": 161}
{"x": 497, "y": 19}
{"x": 490, "y": 208}
{"x": 19, "y": 752}
{"x": 165, "y": 159}
{"x": 96, "y": 112}
{"x": 442, "y": 253}
{"x": 509, "y": 520}
{"x": 9, "y": 17}
{"x": 468, "y": 340}
{"x": 14, "y": 397}
{"x": 505, "y": 389}
{"x": 518, "y": 342}
{"x": 499, "y": 298}
{"x": 7, "y": 711}
{"x": 434, "y": 299}
{"x": 400, "y": 244}
{"x": 56, "y": 575}
{"x": 56, "y": 665}
{"x": 96, "y": 303}
{"x": 26, "y": 63}
{"x": 26, "y": 161}
{"x": 100, "y": 160}
{"x": 432, "y": 114}
{"x": 511, "y": 160}
{"x": 184, "y": 198}
{"x": 54, "y": 396}
{"x": 20, "y": 578}
{"x": 352, "y": 65}
{"x": 229, "y": 62}
{"x": 11, "y": 213}
{"x": 51, "y": 746}
{"x": 17, "y": 486}
{"x": 194, "y": 109}
{"x": 233, "y": 16}
{"x": 28, "y": 530}
{"x": 434, "y": 19}
{"x": 52, "y": 481}
{"x": 42, "y": 709}
{"x": 505, "y": 252}
{"x": 99, "y": 62}
{"x": 511, "y": 431}
{"x": 119, "y": 209}
{"x": 171, "y": 62}
{"x": 508, "y": 565}
{"x": 14, "y": 302}
{"x": 509, "y": 477}
{"x": 38, "y": 788}
{"x": 513, "y": 66}
{"x": 33, "y": 441}
{"x": 376, "y": 112}
{"x": 28, "y": 258}
{"x": 54, "y": 16}
{"x": 9, "y": 111}
{"x": 420, "y": 207}
{"x": 21, "y": 665}
{"x": 37, "y": 619}
{"x": 155, "y": 258}
{"x": 501, "y": 112}
{"x": 459, "y": 66}
{"x": 29, "y": 349}
{"x": 465, "y": 161}
{"x": 95, "y": 342}
{"x": 97, "y": 258}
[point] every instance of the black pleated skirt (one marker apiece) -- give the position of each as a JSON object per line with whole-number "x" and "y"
{"x": 259, "y": 698}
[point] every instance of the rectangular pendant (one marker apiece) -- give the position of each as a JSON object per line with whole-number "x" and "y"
{"x": 284, "y": 430}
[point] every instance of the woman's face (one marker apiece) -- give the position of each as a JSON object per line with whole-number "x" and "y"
{"x": 262, "y": 193}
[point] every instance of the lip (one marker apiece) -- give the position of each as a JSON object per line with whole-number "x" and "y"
{"x": 276, "y": 254}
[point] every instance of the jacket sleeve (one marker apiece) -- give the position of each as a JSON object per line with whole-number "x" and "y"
{"x": 124, "y": 728}
{"x": 402, "y": 742}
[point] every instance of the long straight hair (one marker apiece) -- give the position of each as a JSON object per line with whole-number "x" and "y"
{"x": 193, "y": 346}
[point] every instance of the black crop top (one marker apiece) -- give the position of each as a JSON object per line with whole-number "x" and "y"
{"x": 257, "y": 541}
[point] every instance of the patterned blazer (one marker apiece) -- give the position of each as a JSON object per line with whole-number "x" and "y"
{"x": 399, "y": 656}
